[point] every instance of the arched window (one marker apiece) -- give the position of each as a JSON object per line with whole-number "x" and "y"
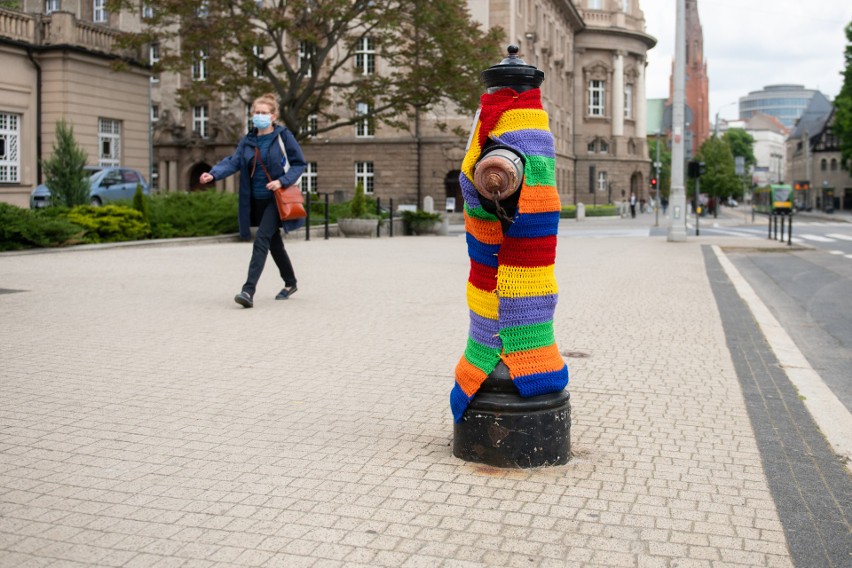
{"x": 834, "y": 164}
{"x": 823, "y": 164}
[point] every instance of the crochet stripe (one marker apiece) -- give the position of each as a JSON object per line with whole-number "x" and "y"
{"x": 512, "y": 290}
{"x": 526, "y": 337}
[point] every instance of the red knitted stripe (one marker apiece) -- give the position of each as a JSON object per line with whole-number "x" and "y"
{"x": 493, "y": 105}
{"x": 483, "y": 277}
{"x": 538, "y": 251}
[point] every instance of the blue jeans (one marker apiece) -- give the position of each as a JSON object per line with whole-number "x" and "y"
{"x": 267, "y": 240}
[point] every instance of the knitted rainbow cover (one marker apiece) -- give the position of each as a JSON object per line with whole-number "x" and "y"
{"x": 512, "y": 291}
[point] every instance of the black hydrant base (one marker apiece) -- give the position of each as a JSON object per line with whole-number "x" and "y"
{"x": 514, "y": 440}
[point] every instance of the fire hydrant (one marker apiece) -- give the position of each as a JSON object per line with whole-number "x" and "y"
{"x": 509, "y": 401}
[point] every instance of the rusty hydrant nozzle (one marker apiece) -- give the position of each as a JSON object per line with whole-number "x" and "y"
{"x": 498, "y": 174}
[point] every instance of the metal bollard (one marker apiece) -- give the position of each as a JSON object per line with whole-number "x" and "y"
{"x": 308, "y": 218}
{"x": 326, "y": 216}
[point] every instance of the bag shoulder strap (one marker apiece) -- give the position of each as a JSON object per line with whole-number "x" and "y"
{"x": 285, "y": 161}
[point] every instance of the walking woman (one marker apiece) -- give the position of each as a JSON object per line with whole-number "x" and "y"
{"x": 260, "y": 159}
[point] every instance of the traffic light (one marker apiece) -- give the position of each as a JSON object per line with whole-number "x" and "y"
{"x": 654, "y": 183}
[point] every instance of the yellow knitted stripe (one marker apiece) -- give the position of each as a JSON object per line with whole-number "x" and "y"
{"x": 525, "y": 281}
{"x": 482, "y": 303}
{"x": 521, "y": 119}
{"x": 472, "y": 154}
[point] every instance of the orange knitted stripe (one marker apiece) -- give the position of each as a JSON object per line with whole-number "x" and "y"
{"x": 539, "y": 199}
{"x": 469, "y": 377}
{"x": 486, "y": 232}
{"x": 541, "y": 360}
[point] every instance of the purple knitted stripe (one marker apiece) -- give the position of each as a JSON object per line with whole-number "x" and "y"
{"x": 471, "y": 196}
{"x": 529, "y": 142}
{"x": 526, "y": 311}
{"x": 484, "y": 331}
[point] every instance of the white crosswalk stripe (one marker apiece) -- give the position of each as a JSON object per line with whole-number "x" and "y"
{"x": 839, "y": 236}
{"x": 817, "y": 238}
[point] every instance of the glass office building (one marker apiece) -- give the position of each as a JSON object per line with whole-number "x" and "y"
{"x": 784, "y": 102}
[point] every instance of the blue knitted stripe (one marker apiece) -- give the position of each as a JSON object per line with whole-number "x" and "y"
{"x": 484, "y": 331}
{"x": 458, "y": 402}
{"x": 471, "y": 196}
{"x": 535, "y": 225}
{"x": 533, "y": 142}
{"x": 482, "y": 253}
{"x": 526, "y": 310}
{"x": 541, "y": 383}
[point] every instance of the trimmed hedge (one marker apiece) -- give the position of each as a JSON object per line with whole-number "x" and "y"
{"x": 23, "y": 229}
{"x": 196, "y": 214}
{"x": 110, "y": 223}
{"x": 570, "y": 211}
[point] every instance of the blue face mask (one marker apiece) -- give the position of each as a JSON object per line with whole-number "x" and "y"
{"x": 261, "y": 121}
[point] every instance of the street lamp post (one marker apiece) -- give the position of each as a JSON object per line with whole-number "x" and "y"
{"x": 677, "y": 220}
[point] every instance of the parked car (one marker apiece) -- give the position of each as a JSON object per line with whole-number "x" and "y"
{"x": 105, "y": 184}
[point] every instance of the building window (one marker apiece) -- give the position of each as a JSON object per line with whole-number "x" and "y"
{"x": 155, "y": 176}
{"x": 200, "y": 120}
{"x": 155, "y": 113}
{"x": 823, "y": 165}
{"x": 597, "y": 89}
{"x": 10, "y": 159}
{"x": 147, "y": 11}
{"x": 834, "y": 164}
{"x": 51, "y": 6}
{"x": 595, "y": 4}
{"x": 591, "y": 148}
{"x": 307, "y": 51}
{"x": 154, "y": 59}
{"x": 99, "y": 11}
{"x": 364, "y": 175}
{"x": 311, "y": 125}
{"x": 628, "y": 101}
{"x": 309, "y": 178}
{"x": 109, "y": 142}
{"x": 604, "y": 147}
{"x": 625, "y": 6}
{"x": 601, "y": 181}
{"x": 365, "y": 56}
{"x": 199, "y": 68}
{"x": 364, "y": 127}
{"x": 203, "y": 9}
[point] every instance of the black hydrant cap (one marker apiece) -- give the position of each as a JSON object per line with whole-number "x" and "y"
{"x": 512, "y": 72}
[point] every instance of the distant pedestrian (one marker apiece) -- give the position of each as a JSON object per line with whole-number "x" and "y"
{"x": 664, "y": 203}
{"x": 632, "y": 205}
{"x": 261, "y": 157}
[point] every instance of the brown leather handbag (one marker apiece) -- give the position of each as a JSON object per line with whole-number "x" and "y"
{"x": 290, "y": 202}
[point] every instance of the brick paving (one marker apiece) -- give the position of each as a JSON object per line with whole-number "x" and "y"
{"x": 147, "y": 420}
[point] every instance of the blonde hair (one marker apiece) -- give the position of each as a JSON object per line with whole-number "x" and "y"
{"x": 268, "y": 99}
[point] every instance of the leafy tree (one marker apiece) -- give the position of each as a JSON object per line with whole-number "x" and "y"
{"x": 665, "y": 180}
{"x": 843, "y": 103}
{"x": 64, "y": 174}
{"x": 358, "y": 206}
{"x": 307, "y": 51}
{"x": 11, "y": 4}
{"x": 719, "y": 179}
{"x": 741, "y": 143}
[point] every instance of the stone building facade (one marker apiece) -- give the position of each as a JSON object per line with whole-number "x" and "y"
{"x": 591, "y": 51}
{"x": 59, "y": 66}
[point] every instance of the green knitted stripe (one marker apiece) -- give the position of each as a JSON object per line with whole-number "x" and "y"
{"x": 481, "y": 356}
{"x": 479, "y": 213}
{"x": 527, "y": 337}
{"x": 540, "y": 170}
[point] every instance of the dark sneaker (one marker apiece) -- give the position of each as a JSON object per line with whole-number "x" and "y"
{"x": 244, "y": 299}
{"x": 286, "y": 293}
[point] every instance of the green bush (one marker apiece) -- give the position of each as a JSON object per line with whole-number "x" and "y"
{"x": 64, "y": 175}
{"x": 109, "y": 223}
{"x": 570, "y": 211}
{"x": 140, "y": 203}
{"x": 196, "y": 214}
{"x": 420, "y": 221}
{"x": 23, "y": 229}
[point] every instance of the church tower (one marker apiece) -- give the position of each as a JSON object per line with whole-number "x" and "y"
{"x": 697, "y": 98}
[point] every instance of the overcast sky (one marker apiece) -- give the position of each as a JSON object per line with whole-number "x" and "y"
{"x": 749, "y": 44}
